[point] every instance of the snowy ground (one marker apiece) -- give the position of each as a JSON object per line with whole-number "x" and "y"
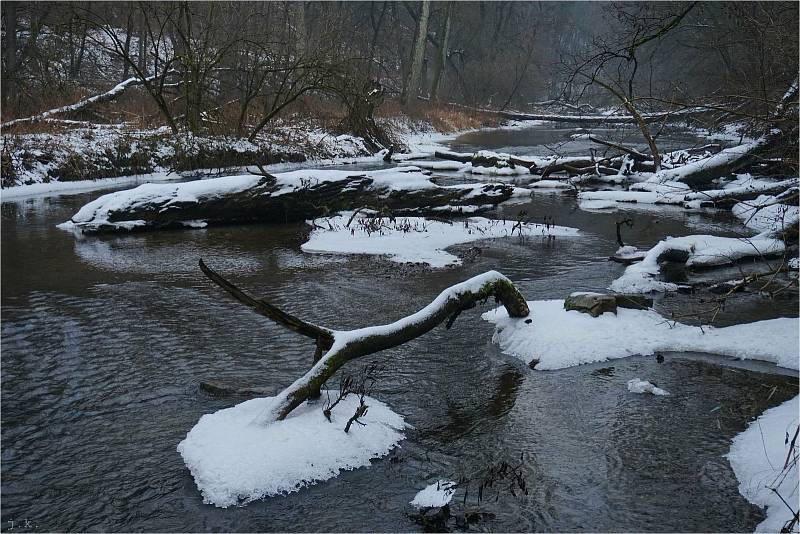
{"x": 98, "y": 153}
{"x": 759, "y": 458}
{"x": 235, "y": 460}
{"x": 414, "y": 239}
{"x": 557, "y": 338}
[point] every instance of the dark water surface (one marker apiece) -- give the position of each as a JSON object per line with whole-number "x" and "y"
{"x": 105, "y": 340}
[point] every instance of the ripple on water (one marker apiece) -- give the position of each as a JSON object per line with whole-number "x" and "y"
{"x": 106, "y": 340}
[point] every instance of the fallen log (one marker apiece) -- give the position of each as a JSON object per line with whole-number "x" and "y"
{"x": 725, "y": 162}
{"x": 665, "y": 116}
{"x": 485, "y": 158}
{"x": 108, "y": 96}
{"x": 344, "y": 346}
{"x": 281, "y": 198}
{"x": 727, "y": 198}
{"x": 735, "y": 158}
{"x": 632, "y": 152}
{"x": 600, "y": 119}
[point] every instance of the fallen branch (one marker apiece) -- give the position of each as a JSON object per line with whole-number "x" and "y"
{"x": 352, "y": 344}
{"x": 113, "y": 93}
{"x": 635, "y": 154}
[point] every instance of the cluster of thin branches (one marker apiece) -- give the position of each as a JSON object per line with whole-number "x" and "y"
{"x": 359, "y": 384}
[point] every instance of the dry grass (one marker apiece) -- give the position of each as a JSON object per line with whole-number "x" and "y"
{"x": 443, "y": 117}
{"x": 138, "y": 111}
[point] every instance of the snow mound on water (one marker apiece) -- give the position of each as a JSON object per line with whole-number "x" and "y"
{"x": 435, "y": 495}
{"x": 757, "y": 457}
{"x": 701, "y": 251}
{"x": 235, "y": 461}
{"x": 558, "y": 338}
{"x": 636, "y": 385}
{"x": 414, "y": 239}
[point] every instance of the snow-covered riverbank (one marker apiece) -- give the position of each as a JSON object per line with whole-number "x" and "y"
{"x": 86, "y": 159}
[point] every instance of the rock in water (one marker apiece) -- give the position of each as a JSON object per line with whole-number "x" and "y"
{"x": 633, "y": 301}
{"x": 595, "y": 304}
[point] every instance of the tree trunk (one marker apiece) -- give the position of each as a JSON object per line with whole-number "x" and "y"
{"x": 343, "y": 346}
{"x": 142, "y": 52}
{"x": 637, "y": 119}
{"x": 10, "y": 52}
{"x": 418, "y": 53}
{"x": 127, "y": 47}
{"x": 440, "y": 65}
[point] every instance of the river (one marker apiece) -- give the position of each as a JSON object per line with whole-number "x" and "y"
{"x": 105, "y": 340}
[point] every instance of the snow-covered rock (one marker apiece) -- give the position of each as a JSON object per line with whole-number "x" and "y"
{"x": 435, "y": 495}
{"x": 557, "y": 338}
{"x": 636, "y": 385}
{"x": 235, "y": 460}
{"x": 757, "y": 457}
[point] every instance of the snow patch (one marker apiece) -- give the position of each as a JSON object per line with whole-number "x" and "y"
{"x": 557, "y": 338}
{"x": 757, "y": 457}
{"x": 414, "y": 239}
{"x": 766, "y": 213}
{"x": 635, "y": 385}
{"x": 436, "y": 495}
{"x": 235, "y": 461}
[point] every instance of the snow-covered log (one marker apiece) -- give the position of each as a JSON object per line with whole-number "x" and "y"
{"x": 286, "y": 197}
{"x": 728, "y": 161}
{"x": 109, "y": 95}
{"x": 544, "y": 166}
{"x": 738, "y": 157}
{"x": 341, "y": 346}
{"x": 680, "y": 115}
{"x": 745, "y": 188}
{"x": 693, "y": 251}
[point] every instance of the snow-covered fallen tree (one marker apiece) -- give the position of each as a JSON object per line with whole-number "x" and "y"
{"x": 499, "y": 163}
{"x": 107, "y": 96}
{"x": 693, "y": 251}
{"x": 559, "y": 338}
{"x": 273, "y": 445}
{"x": 769, "y": 212}
{"x": 764, "y": 460}
{"x": 743, "y": 188}
{"x": 414, "y": 239}
{"x": 284, "y": 197}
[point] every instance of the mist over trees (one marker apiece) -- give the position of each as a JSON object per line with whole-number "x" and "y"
{"x": 236, "y": 66}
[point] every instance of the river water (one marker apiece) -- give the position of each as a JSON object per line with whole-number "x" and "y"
{"x": 105, "y": 340}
